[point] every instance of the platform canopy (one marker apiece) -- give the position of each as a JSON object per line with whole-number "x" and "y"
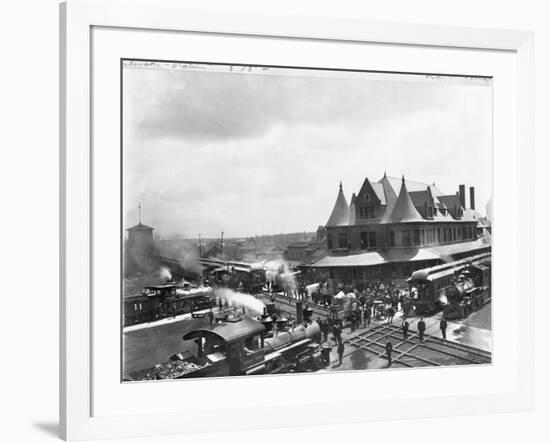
{"x": 368, "y": 259}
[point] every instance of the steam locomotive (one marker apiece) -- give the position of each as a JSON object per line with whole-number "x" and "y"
{"x": 458, "y": 288}
{"x": 239, "y": 345}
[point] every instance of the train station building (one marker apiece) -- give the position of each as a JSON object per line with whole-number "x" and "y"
{"x": 395, "y": 226}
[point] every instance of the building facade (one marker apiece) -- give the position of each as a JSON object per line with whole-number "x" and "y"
{"x": 394, "y": 226}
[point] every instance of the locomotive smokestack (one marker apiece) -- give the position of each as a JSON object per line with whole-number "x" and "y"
{"x": 472, "y": 198}
{"x": 299, "y": 313}
{"x": 462, "y": 195}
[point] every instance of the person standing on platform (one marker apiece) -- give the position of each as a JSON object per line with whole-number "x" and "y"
{"x": 340, "y": 353}
{"x": 389, "y": 349}
{"x": 443, "y": 328}
{"x": 421, "y": 328}
{"x": 405, "y": 328}
{"x": 367, "y": 315}
{"x": 324, "y": 330}
{"x": 337, "y": 332}
{"x": 391, "y": 314}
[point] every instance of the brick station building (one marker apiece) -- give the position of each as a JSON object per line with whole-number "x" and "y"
{"x": 395, "y": 226}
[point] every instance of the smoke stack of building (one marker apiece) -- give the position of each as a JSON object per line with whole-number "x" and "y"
{"x": 462, "y": 195}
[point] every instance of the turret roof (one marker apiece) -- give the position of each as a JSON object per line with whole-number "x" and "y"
{"x": 140, "y": 227}
{"x": 404, "y": 210}
{"x": 341, "y": 211}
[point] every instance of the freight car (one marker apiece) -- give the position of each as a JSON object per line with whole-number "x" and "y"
{"x": 164, "y": 300}
{"x": 466, "y": 281}
{"x": 243, "y": 346}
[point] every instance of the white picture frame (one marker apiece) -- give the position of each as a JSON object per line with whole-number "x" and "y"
{"x": 77, "y": 377}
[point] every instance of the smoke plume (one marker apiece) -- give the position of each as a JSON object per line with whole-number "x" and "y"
{"x": 237, "y": 299}
{"x": 165, "y": 273}
{"x": 280, "y": 268}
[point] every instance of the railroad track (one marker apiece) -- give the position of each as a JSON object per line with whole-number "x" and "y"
{"x": 431, "y": 352}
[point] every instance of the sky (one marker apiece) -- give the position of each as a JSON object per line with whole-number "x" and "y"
{"x": 252, "y": 151}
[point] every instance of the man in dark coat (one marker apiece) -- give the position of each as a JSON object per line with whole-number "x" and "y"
{"x": 405, "y": 328}
{"x": 340, "y": 353}
{"x": 443, "y": 328}
{"x": 337, "y": 332}
{"x": 367, "y": 314}
{"x": 389, "y": 349}
{"x": 421, "y": 328}
{"x": 391, "y": 314}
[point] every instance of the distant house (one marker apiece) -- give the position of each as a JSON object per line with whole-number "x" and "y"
{"x": 269, "y": 252}
{"x": 296, "y": 251}
{"x": 230, "y": 250}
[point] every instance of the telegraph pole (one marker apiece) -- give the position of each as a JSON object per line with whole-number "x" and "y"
{"x": 200, "y": 246}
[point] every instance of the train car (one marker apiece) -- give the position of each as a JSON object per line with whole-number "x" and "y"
{"x": 430, "y": 287}
{"x": 164, "y": 300}
{"x": 240, "y": 276}
{"x": 242, "y": 346}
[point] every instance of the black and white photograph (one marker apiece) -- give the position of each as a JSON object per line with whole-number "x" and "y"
{"x": 281, "y": 220}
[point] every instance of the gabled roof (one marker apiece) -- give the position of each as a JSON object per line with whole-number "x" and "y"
{"x": 450, "y": 201}
{"x": 379, "y": 190}
{"x": 420, "y": 197}
{"x": 371, "y": 189}
{"x": 404, "y": 210}
{"x": 341, "y": 212}
{"x": 140, "y": 227}
{"x": 412, "y": 186}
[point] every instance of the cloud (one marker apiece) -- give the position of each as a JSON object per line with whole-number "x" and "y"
{"x": 253, "y": 154}
{"x": 215, "y": 106}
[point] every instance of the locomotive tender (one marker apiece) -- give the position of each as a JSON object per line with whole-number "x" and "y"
{"x": 457, "y": 288}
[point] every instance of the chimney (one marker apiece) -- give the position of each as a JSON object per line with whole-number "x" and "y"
{"x": 462, "y": 193}
{"x": 299, "y": 313}
{"x": 472, "y": 198}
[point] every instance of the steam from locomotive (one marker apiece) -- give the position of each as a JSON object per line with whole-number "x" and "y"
{"x": 233, "y": 298}
{"x": 165, "y": 273}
